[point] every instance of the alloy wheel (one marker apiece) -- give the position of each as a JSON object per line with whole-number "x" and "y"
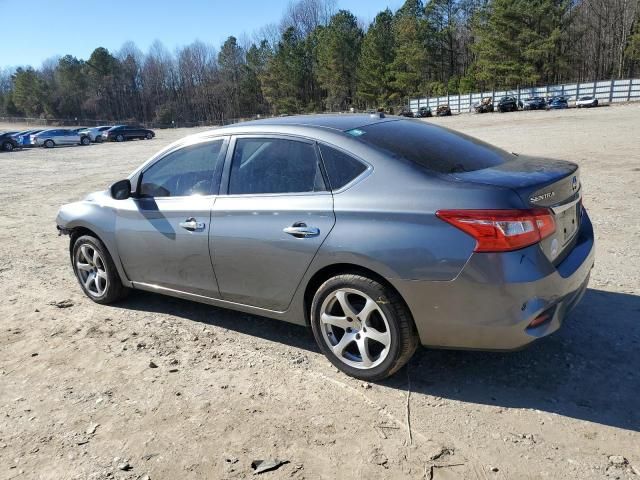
{"x": 355, "y": 328}
{"x": 91, "y": 270}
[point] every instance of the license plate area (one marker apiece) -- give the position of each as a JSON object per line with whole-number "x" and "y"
{"x": 567, "y": 224}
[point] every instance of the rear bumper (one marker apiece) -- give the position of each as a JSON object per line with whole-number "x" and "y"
{"x": 496, "y": 296}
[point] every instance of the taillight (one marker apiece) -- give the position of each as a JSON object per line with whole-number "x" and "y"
{"x": 502, "y": 230}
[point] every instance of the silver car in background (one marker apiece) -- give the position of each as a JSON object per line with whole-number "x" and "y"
{"x": 59, "y": 136}
{"x": 380, "y": 233}
{"x": 95, "y": 133}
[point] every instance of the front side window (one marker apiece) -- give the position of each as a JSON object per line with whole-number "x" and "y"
{"x": 341, "y": 168}
{"x": 274, "y": 165}
{"x": 189, "y": 171}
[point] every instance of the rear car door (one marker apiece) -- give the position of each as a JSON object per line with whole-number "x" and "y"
{"x": 163, "y": 232}
{"x": 268, "y": 227}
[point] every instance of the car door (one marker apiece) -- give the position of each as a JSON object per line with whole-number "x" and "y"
{"x": 163, "y": 231}
{"x": 268, "y": 227}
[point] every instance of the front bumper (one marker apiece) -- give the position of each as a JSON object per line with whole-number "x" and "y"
{"x": 496, "y": 296}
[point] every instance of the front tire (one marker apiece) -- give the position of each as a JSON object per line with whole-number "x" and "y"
{"x": 49, "y": 144}
{"x": 85, "y": 141}
{"x": 363, "y": 327}
{"x": 95, "y": 271}
{"x": 120, "y": 138}
{"x": 148, "y": 136}
{"x": 7, "y": 147}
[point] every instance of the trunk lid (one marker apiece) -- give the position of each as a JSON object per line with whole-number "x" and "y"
{"x": 541, "y": 183}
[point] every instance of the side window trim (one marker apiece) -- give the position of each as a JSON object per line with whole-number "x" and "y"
{"x": 226, "y": 173}
{"x": 217, "y": 174}
{"x": 365, "y": 173}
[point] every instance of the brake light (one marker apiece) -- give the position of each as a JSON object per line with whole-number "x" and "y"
{"x": 502, "y": 230}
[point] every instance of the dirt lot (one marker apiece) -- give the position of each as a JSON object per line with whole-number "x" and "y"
{"x": 78, "y": 398}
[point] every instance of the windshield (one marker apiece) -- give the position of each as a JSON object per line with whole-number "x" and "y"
{"x": 434, "y": 148}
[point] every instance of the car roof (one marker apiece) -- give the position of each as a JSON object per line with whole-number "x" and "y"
{"x": 336, "y": 121}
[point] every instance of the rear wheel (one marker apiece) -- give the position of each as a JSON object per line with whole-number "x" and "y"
{"x": 85, "y": 141}
{"x": 362, "y": 326}
{"x": 96, "y": 271}
{"x": 7, "y": 146}
{"x": 49, "y": 144}
{"x": 120, "y": 138}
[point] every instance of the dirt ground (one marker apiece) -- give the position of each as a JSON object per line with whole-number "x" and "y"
{"x": 79, "y": 399}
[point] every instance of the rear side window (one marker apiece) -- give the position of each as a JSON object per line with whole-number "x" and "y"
{"x": 435, "y": 148}
{"x": 341, "y": 168}
{"x": 274, "y": 165}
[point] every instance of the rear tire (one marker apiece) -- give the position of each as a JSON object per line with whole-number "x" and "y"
{"x": 95, "y": 271}
{"x": 85, "y": 141}
{"x": 49, "y": 144}
{"x": 120, "y": 138}
{"x": 371, "y": 344}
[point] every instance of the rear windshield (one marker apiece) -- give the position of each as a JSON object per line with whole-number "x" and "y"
{"x": 437, "y": 149}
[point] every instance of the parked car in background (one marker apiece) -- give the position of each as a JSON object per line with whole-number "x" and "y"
{"x": 558, "y": 103}
{"x": 534, "y": 103}
{"x": 479, "y": 248}
{"x": 424, "y": 112}
{"x": 24, "y": 138}
{"x": 484, "y": 106}
{"x": 120, "y": 133}
{"x": 443, "y": 111}
{"x": 95, "y": 133}
{"x": 59, "y": 136}
{"x": 509, "y": 104}
{"x": 587, "y": 102}
{"x": 406, "y": 112}
{"x": 7, "y": 142}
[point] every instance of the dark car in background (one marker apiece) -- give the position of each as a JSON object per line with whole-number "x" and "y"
{"x": 406, "y": 112}
{"x": 558, "y": 103}
{"x": 7, "y": 142}
{"x": 509, "y": 104}
{"x": 535, "y": 103}
{"x": 443, "y": 111}
{"x": 120, "y": 133}
{"x": 424, "y": 112}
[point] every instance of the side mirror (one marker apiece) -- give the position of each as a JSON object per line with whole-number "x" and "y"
{"x": 121, "y": 190}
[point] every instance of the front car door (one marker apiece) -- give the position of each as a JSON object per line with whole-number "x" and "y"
{"x": 268, "y": 227}
{"x": 163, "y": 231}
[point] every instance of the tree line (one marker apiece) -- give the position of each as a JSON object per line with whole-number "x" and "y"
{"x": 319, "y": 58}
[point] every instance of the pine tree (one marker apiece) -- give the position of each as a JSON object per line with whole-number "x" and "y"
{"x": 338, "y": 48}
{"x": 376, "y": 57}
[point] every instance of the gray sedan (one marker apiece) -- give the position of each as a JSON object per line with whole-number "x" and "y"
{"x": 59, "y": 136}
{"x": 380, "y": 233}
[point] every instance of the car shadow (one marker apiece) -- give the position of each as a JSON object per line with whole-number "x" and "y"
{"x": 588, "y": 370}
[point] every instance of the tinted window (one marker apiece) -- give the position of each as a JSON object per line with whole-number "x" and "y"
{"x": 188, "y": 171}
{"x": 435, "y": 148}
{"x": 341, "y": 168}
{"x": 273, "y": 165}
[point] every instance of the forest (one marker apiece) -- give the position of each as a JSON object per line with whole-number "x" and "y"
{"x": 319, "y": 58}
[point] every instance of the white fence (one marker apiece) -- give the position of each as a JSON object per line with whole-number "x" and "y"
{"x": 606, "y": 91}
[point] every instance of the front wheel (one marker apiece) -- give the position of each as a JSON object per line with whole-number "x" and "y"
{"x": 85, "y": 141}
{"x": 148, "y": 136}
{"x": 49, "y": 144}
{"x": 7, "y": 147}
{"x": 120, "y": 138}
{"x": 96, "y": 271}
{"x": 363, "y": 327}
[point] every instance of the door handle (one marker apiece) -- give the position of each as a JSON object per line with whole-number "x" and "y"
{"x": 300, "y": 230}
{"x": 192, "y": 224}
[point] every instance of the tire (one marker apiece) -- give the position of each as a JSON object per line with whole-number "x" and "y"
{"x": 148, "y": 136}
{"x": 388, "y": 319}
{"x": 7, "y": 147}
{"x": 99, "y": 139}
{"x": 49, "y": 144}
{"x": 96, "y": 274}
{"x": 120, "y": 138}
{"x": 85, "y": 141}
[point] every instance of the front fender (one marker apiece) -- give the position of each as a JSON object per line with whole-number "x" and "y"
{"x": 98, "y": 215}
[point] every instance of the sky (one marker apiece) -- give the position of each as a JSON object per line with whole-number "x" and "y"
{"x": 38, "y": 31}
